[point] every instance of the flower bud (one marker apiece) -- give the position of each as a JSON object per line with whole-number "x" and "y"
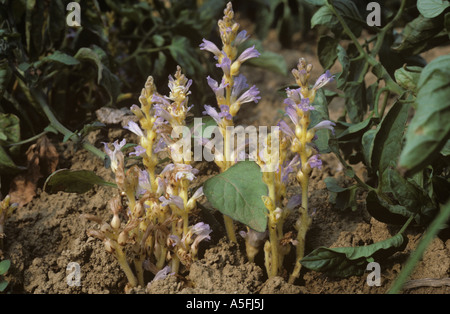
{"x": 105, "y": 227}
{"x": 123, "y": 238}
{"x": 115, "y": 222}
{"x": 109, "y": 247}
{"x": 298, "y": 131}
{"x": 300, "y": 176}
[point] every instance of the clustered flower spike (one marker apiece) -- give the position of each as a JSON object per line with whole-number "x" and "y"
{"x": 158, "y": 205}
{"x": 233, "y": 90}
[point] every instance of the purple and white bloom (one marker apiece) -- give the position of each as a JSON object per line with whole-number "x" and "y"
{"x": 249, "y": 95}
{"x": 193, "y": 200}
{"x": 240, "y": 84}
{"x": 304, "y": 105}
{"x": 240, "y": 38}
{"x": 286, "y": 129}
{"x": 323, "y": 80}
{"x": 315, "y": 162}
{"x": 138, "y": 151}
{"x": 219, "y": 90}
{"x": 181, "y": 171}
{"x": 325, "y": 124}
{"x": 248, "y": 53}
{"x": 134, "y": 127}
{"x": 254, "y": 238}
{"x": 288, "y": 168}
{"x": 160, "y": 146}
{"x": 294, "y": 201}
{"x": 163, "y": 273}
{"x": 116, "y": 154}
{"x": 225, "y": 65}
{"x": 217, "y": 116}
{"x": 172, "y": 200}
{"x": 144, "y": 184}
{"x": 202, "y": 231}
{"x": 292, "y": 113}
{"x": 211, "y": 47}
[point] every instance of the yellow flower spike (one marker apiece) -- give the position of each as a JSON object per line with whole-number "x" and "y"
{"x": 268, "y": 203}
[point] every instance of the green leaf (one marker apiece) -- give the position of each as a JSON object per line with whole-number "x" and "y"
{"x": 367, "y": 146}
{"x": 420, "y": 35}
{"x": 73, "y": 181}
{"x": 3, "y": 285}
{"x": 408, "y": 77}
{"x": 237, "y": 193}
{"x": 429, "y": 129}
{"x": 388, "y": 137}
{"x": 9, "y": 128}
{"x": 342, "y": 198}
{"x": 432, "y": 8}
{"x": 382, "y": 211}
{"x": 409, "y": 195}
{"x": 4, "y": 266}
{"x": 63, "y": 58}
{"x": 87, "y": 54}
{"x": 328, "y": 52}
{"x": 7, "y": 165}
{"x": 348, "y": 261}
{"x": 183, "y": 53}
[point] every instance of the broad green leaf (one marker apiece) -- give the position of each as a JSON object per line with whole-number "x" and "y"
{"x": 447, "y": 23}
{"x": 432, "y": 8}
{"x": 388, "y": 137}
{"x": 238, "y": 192}
{"x": 429, "y": 129}
{"x": 3, "y": 285}
{"x": 342, "y": 198}
{"x": 408, "y": 77}
{"x": 73, "y": 181}
{"x": 347, "y": 9}
{"x": 419, "y": 35}
{"x": 348, "y": 261}
{"x": 409, "y": 195}
{"x": 87, "y": 54}
{"x": 7, "y": 165}
{"x": 382, "y": 211}
{"x": 63, "y": 58}
{"x": 352, "y": 130}
{"x": 446, "y": 149}
{"x": 4, "y": 266}
{"x": 328, "y": 53}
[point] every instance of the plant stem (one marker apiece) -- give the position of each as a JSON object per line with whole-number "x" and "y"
{"x": 273, "y": 228}
{"x": 122, "y": 260}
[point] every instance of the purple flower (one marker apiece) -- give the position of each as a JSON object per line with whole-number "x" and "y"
{"x": 315, "y": 162}
{"x": 292, "y": 113}
{"x": 323, "y": 80}
{"x": 288, "y": 168}
{"x": 294, "y": 201}
{"x": 116, "y": 155}
{"x": 225, "y": 65}
{"x": 163, "y": 273}
{"x": 240, "y": 38}
{"x": 325, "y": 124}
{"x": 172, "y": 200}
{"x": 249, "y": 95}
{"x": 286, "y": 129}
{"x": 134, "y": 127}
{"x": 211, "y": 47}
{"x": 202, "y": 231}
{"x": 217, "y": 116}
{"x": 144, "y": 184}
{"x": 219, "y": 90}
{"x": 240, "y": 84}
{"x": 248, "y": 54}
{"x": 160, "y": 146}
{"x": 304, "y": 105}
{"x": 138, "y": 151}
